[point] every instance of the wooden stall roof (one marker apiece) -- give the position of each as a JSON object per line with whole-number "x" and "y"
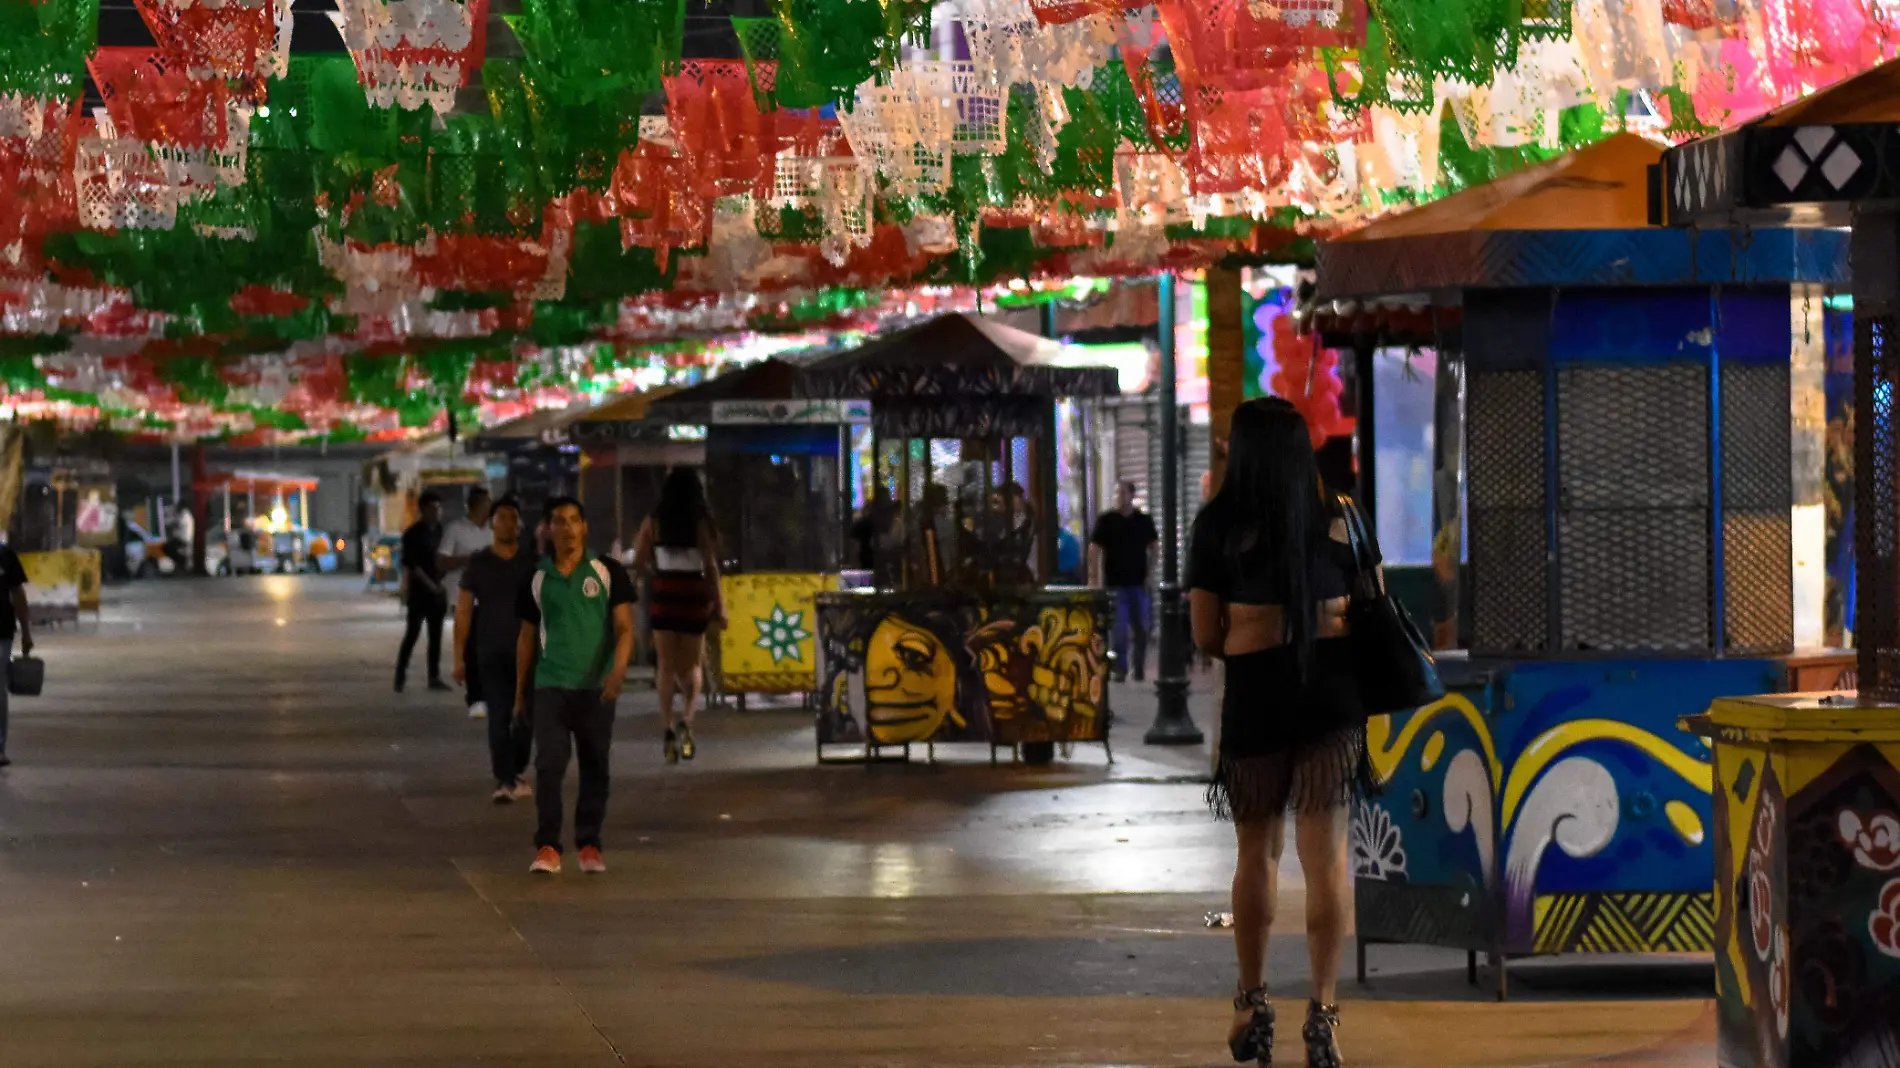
{"x": 769, "y": 379}
{"x": 1599, "y": 187}
{"x": 956, "y": 353}
{"x": 1581, "y": 219}
{"x": 628, "y": 407}
{"x": 534, "y": 425}
{"x": 254, "y": 481}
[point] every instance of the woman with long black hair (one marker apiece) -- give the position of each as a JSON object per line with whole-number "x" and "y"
{"x": 1271, "y": 569}
{"x": 677, "y": 550}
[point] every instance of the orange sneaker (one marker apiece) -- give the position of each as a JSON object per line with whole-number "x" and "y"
{"x": 547, "y": 862}
{"x": 591, "y": 862}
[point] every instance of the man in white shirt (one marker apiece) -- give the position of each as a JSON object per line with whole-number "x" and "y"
{"x": 462, "y": 539}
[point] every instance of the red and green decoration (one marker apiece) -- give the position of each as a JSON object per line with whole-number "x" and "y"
{"x": 366, "y": 233}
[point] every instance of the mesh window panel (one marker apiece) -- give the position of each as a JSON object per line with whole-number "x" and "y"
{"x": 1505, "y": 439}
{"x": 1757, "y": 493}
{"x": 1508, "y": 594}
{"x": 1875, "y": 610}
{"x": 1634, "y": 437}
{"x": 1633, "y": 520}
{"x": 776, "y": 513}
{"x": 1635, "y": 579}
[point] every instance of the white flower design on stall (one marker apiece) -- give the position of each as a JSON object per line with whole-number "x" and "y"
{"x": 1378, "y": 851}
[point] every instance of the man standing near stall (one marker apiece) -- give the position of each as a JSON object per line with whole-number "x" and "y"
{"x": 487, "y": 630}
{"x": 461, "y": 540}
{"x": 576, "y": 637}
{"x": 1123, "y": 547}
{"x": 14, "y": 615}
{"x": 424, "y": 596}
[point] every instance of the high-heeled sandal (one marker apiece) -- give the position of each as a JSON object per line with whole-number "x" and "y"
{"x": 1255, "y": 1041}
{"x": 1322, "y": 1048}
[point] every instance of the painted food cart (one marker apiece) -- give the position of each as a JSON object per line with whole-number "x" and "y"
{"x": 776, "y": 468}
{"x": 1626, "y": 428}
{"x": 1807, "y": 843}
{"x": 960, "y": 637}
{"x": 253, "y": 538}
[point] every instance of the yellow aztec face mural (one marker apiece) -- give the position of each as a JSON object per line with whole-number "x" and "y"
{"x": 910, "y": 683}
{"x": 900, "y": 669}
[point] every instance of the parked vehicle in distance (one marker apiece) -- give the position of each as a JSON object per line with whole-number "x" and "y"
{"x": 320, "y": 553}
{"x": 145, "y": 555}
{"x": 232, "y": 554}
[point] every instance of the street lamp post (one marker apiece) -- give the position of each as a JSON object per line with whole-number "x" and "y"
{"x": 1172, "y": 725}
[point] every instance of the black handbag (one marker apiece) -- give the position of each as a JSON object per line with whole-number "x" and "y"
{"x": 1394, "y": 662}
{"x": 25, "y": 676}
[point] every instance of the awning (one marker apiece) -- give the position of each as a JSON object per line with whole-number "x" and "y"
{"x": 548, "y": 426}
{"x": 258, "y": 482}
{"x": 956, "y": 355}
{"x": 628, "y": 417}
{"x": 759, "y": 394}
{"x": 1581, "y": 219}
{"x": 1804, "y": 164}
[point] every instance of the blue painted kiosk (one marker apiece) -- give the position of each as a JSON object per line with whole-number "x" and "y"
{"x": 1627, "y": 526}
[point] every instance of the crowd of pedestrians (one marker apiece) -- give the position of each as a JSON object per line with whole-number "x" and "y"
{"x": 544, "y": 634}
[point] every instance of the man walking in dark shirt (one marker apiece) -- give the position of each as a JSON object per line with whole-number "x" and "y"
{"x": 487, "y": 631}
{"x": 13, "y": 614}
{"x": 425, "y": 599}
{"x": 1123, "y": 547}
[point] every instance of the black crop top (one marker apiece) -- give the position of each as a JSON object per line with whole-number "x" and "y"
{"x": 1329, "y": 575}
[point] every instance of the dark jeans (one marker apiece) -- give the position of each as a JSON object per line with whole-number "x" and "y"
{"x": 579, "y": 715}
{"x": 6, "y": 665}
{"x": 1133, "y": 616}
{"x": 510, "y": 740}
{"x": 424, "y": 608}
{"x": 477, "y": 686}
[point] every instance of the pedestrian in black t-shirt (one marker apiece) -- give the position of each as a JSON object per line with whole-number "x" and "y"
{"x": 13, "y": 613}
{"x": 425, "y": 599}
{"x": 487, "y": 631}
{"x": 1123, "y": 547}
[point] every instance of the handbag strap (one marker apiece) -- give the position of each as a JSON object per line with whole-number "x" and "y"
{"x": 1364, "y": 572}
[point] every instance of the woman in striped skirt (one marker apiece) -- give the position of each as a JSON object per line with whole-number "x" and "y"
{"x": 678, "y": 552}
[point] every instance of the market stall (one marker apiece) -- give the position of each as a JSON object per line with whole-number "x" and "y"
{"x": 960, "y": 637}
{"x": 1627, "y": 433}
{"x": 275, "y": 538}
{"x": 778, "y": 475}
{"x": 1806, "y": 835}
{"x": 624, "y": 456}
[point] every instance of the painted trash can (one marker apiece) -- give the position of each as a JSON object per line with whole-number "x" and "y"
{"x": 1807, "y": 880}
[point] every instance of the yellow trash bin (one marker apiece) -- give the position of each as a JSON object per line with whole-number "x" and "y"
{"x": 1807, "y": 879}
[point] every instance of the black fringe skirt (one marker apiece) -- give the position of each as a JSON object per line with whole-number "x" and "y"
{"x": 1290, "y": 744}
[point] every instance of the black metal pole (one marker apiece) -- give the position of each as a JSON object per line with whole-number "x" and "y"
{"x": 1172, "y": 725}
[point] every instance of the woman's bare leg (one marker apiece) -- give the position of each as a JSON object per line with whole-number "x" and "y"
{"x": 691, "y": 655}
{"x": 1256, "y": 895}
{"x": 665, "y": 656}
{"x": 1320, "y": 838}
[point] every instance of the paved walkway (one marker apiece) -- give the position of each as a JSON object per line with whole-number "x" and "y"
{"x": 225, "y": 842}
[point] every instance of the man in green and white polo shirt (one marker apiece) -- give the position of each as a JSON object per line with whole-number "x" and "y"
{"x": 576, "y": 638}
